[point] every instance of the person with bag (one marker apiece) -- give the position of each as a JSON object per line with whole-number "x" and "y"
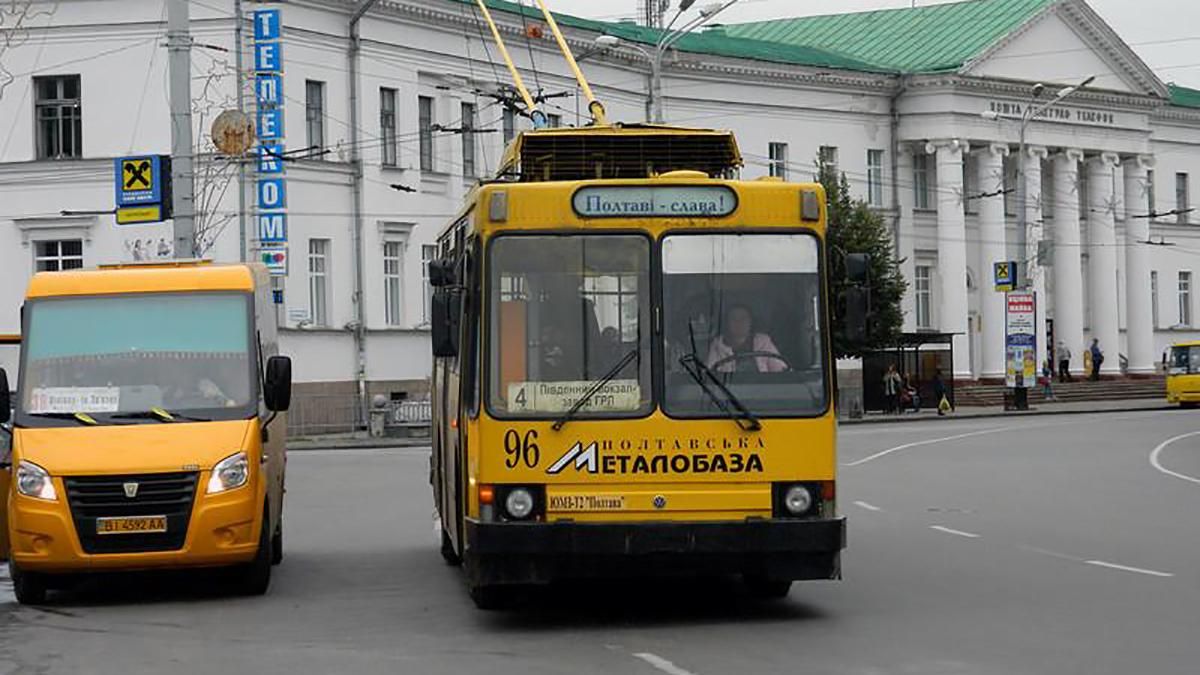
{"x": 939, "y": 394}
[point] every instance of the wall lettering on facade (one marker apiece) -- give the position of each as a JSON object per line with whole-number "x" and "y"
{"x": 1055, "y": 113}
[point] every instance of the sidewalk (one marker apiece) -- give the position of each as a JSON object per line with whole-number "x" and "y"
{"x": 356, "y": 441}
{"x": 1035, "y": 408}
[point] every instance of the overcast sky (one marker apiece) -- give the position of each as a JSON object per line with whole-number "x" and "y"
{"x": 1165, "y": 33}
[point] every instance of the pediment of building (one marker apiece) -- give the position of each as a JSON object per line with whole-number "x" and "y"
{"x": 1064, "y": 44}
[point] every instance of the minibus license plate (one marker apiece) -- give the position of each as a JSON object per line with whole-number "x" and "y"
{"x": 139, "y": 525}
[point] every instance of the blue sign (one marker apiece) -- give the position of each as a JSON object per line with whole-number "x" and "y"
{"x": 270, "y": 124}
{"x": 138, "y": 180}
{"x": 272, "y": 194}
{"x": 268, "y": 56}
{"x": 267, "y": 24}
{"x": 270, "y": 159}
{"x": 268, "y": 89}
{"x": 272, "y": 228}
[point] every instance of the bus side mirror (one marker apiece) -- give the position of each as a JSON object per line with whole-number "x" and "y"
{"x": 443, "y": 320}
{"x": 5, "y": 399}
{"x": 858, "y": 268}
{"x": 854, "y": 328}
{"x": 277, "y": 387}
{"x": 441, "y": 273}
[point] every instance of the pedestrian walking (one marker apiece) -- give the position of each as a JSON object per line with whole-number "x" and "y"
{"x": 1064, "y": 362}
{"x": 1047, "y": 380}
{"x": 1097, "y": 359}
{"x": 939, "y": 393}
{"x": 891, "y": 389}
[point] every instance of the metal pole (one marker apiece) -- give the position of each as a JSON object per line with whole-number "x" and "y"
{"x": 356, "y": 169}
{"x": 238, "y": 26}
{"x": 183, "y": 201}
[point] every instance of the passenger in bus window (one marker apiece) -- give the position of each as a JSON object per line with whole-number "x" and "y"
{"x": 740, "y": 348}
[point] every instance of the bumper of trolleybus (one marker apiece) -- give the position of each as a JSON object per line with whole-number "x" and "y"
{"x": 776, "y": 549}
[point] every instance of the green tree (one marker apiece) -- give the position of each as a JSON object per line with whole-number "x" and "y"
{"x": 854, "y": 228}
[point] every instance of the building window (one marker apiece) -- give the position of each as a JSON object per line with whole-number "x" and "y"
{"x": 921, "y": 181}
{"x": 1081, "y": 181}
{"x": 468, "y": 139}
{"x": 510, "y": 125}
{"x": 1154, "y": 299}
{"x": 425, "y": 123}
{"x": 393, "y": 266}
{"x": 828, "y": 155}
{"x": 1010, "y": 185}
{"x": 1181, "y": 198}
{"x": 59, "y": 117}
{"x": 1185, "y": 298}
{"x": 875, "y": 177}
{"x": 922, "y": 284}
{"x": 971, "y": 188}
{"x": 778, "y": 160}
{"x": 314, "y": 117}
{"x": 318, "y": 281}
{"x": 55, "y": 256}
{"x": 428, "y": 255}
{"x": 554, "y": 121}
{"x": 1150, "y": 192}
{"x": 387, "y": 126}
{"x": 1048, "y": 190}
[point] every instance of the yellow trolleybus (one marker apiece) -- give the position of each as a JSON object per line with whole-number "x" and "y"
{"x": 632, "y": 367}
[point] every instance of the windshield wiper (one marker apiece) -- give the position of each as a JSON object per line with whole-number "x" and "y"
{"x": 82, "y": 418}
{"x": 159, "y": 414}
{"x": 595, "y": 388}
{"x": 699, "y": 372}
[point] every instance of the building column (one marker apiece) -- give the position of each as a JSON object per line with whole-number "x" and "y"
{"x": 1102, "y": 260}
{"x": 952, "y": 250}
{"x": 1068, "y": 270}
{"x": 1139, "y": 317}
{"x": 992, "y": 249}
{"x": 1034, "y": 233}
{"x": 906, "y": 246}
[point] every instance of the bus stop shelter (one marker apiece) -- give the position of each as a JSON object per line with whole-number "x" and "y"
{"x": 917, "y": 357}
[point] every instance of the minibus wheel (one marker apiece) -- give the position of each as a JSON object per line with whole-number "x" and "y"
{"x": 254, "y": 578}
{"x": 30, "y": 588}
{"x": 277, "y": 543}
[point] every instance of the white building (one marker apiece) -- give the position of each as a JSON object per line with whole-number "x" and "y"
{"x": 895, "y": 98}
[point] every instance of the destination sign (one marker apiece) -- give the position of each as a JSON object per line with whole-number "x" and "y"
{"x": 666, "y": 201}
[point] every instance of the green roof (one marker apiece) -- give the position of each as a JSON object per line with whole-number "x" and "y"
{"x": 712, "y": 42}
{"x": 1184, "y": 96}
{"x": 926, "y": 39}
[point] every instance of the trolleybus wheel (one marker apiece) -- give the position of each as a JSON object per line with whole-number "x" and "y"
{"x": 29, "y": 587}
{"x": 277, "y": 543}
{"x": 448, "y": 553}
{"x": 491, "y": 597}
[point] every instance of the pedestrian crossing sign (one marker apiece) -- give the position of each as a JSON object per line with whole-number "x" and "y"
{"x": 1005, "y": 275}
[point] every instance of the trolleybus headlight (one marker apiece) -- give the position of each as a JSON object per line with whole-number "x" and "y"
{"x": 797, "y": 500}
{"x": 229, "y": 473}
{"x": 34, "y": 481}
{"x": 519, "y": 503}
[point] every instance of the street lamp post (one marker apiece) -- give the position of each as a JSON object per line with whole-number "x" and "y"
{"x": 666, "y": 40}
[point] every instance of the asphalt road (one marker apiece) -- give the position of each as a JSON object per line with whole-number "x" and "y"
{"x": 1057, "y": 544}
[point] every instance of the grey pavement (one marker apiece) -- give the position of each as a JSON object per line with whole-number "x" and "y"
{"x": 977, "y": 546}
{"x": 1035, "y": 408}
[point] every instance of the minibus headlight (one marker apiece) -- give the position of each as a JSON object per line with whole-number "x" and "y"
{"x": 519, "y": 503}
{"x": 229, "y": 473}
{"x": 33, "y": 481}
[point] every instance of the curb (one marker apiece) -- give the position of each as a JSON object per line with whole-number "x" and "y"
{"x": 1006, "y": 413}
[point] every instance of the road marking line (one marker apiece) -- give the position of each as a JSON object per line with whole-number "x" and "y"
{"x": 930, "y": 441}
{"x": 948, "y": 530}
{"x": 1123, "y": 568}
{"x": 662, "y": 664}
{"x": 867, "y": 506}
{"x": 1163, "y": 446}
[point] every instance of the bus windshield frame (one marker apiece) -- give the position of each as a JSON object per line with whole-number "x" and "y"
{"x": 118, "y": 398}
{"x": 655, "y": 351}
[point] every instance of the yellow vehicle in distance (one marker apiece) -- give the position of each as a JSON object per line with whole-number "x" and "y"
{"x": 1182, "y": 366}
{"x": 142, "y": 432}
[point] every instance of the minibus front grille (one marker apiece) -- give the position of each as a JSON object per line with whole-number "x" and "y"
{"x": 158, "y": 494}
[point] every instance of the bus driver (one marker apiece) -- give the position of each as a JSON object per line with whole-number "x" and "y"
{"x": 738, "y": 346}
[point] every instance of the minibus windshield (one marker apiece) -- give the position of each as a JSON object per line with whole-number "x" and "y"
{"x": 1185, "y": 360}
{"x": 108, "y": 356}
